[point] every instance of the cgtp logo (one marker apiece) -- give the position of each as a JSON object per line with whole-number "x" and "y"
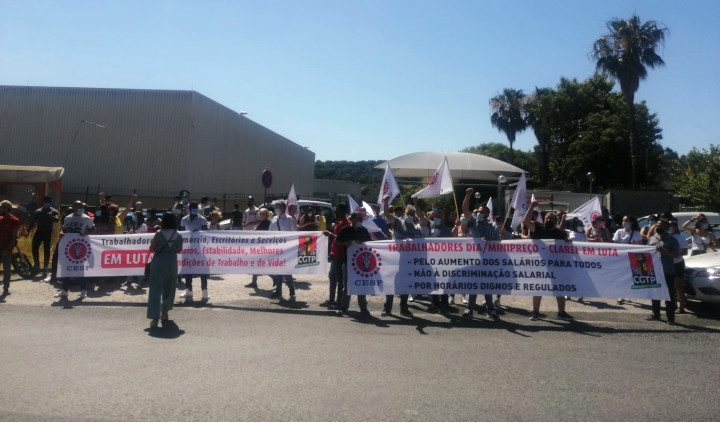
{"x": 366, "y": 262}
{"x": 78, "y": 251}
{"x": 643, "y": 271}
{"x": 307, "y": 251}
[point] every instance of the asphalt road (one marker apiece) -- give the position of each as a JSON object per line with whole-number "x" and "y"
{"x": 253, "y": 359}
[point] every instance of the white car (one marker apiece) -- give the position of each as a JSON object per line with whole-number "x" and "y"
{"x": 702, "y": 273}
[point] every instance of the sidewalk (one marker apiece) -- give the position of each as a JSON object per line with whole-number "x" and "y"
{"x": 311, "y": 290}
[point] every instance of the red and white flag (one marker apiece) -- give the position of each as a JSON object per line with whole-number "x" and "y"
{"x": 439, "y": 184}
{"x": 367, "y": 214}
{"x": 388, "y": 186}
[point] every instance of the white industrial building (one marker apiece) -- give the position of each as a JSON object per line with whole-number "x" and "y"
{"x": 152, "y": 142}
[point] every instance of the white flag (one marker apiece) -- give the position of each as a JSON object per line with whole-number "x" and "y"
{"x": 388, "y": 186}
{"x": 539, "y": 218}
{"x": 292, "y": 199}
{"x": 490, "y": 207}
{"x": 367, "y": 214}
{"x": 440, "y": 183}
{"x": 519, "y": 203}
{"x": 589, "y": 211}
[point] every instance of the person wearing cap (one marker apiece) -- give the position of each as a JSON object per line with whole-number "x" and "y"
{"x": 355, "y": 232}
{"x": 669, "y": 249}
{"x": 251, "y": 218}
{"x": 9, "y": 226}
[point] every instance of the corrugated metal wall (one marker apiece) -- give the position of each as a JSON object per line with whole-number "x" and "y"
{"x": 156, "y": 142}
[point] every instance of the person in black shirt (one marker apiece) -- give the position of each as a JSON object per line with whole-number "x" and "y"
{"x": 549, "y": 231}
{"x": 44, "y": 217}
{"x": 355, "y": 232}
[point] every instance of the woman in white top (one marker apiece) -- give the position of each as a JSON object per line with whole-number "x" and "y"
{"x": 702, "y": 237}
{"x": 629, "y": 234}
{"x": 576, "y": 233}
{"x": 214, "y": 224}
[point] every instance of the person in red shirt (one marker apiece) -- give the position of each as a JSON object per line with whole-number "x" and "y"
{"x": 9, "y": 226}
{"x": 337, "y": 255}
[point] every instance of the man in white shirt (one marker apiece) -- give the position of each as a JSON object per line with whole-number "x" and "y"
{"x": 284, "y": 222}
{"x": 81, "y": 224}
{"x": 250, "y": 217}
{"x": 194, "y": 222}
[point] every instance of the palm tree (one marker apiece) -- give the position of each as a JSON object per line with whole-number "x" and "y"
{"x": 532, "y": 112}
{"x": 624, "y": 54}
{"x": 507, "y": 114}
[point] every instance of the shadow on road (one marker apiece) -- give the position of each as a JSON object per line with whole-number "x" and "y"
{"x": 168, "y": 330}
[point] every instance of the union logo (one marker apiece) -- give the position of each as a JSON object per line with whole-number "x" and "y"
{"x": 78, "y": 251}
{"x": 643, "y": 271}
{"x": 366, "y": 262}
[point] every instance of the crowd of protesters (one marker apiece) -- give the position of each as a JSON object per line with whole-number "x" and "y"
{"x": 343, "y": 229}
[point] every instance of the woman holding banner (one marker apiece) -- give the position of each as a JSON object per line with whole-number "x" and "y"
{"x": 166, "y": 245}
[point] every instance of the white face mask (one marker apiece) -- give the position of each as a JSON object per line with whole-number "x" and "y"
{"x": 580, "y": 229}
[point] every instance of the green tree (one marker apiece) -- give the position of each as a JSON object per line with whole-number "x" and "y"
{"x": 533, "y": 113}
{"x": 524, "y": 160}
{"x": 625, "y": 53}
{"x": 697, "y": 178}
{"x": 507, "y": 115}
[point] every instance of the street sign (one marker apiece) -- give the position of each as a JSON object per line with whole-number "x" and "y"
{"x": 266, "y": 178}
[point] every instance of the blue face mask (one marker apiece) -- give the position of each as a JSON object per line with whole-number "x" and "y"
{"x": 463, "y": 220}
{"x": 479, "y": 217}
{"x": 193, "y": 211}
{"x": 705, "y": 226}
{"x": 80, "y": 211}
{"x": 185, "y": 200}
{"x": 47, "y": 205}
{"x": 176, "y": 211}
{"x": 435, "y": 209}
{"x": 436, "y": 221}
{"x": 671, "y": 230}
{"x": 211, "y": 204}
{"x": 408, "y": 219}
{"x": 98, "y": 213}
{"x": 626, "y": 225}
{"x": 134, "y": 218}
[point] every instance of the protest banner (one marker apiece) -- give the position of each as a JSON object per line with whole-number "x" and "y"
{"x": 517, "y": 267}
{"x": 204, "y": 252}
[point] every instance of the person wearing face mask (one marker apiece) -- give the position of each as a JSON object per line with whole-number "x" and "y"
{"x": 645, "y": 231}
{"x": 702, "y": 237}
{"x": 44, "y": 218}
{"x": 669, "y": 250}
{"x": 194, "y": 222}
{"x": 630, "y": 232}
{"x": 308, "y": 221}
{"x": 480, "y": 227}
{"x": 402, "y": 228}
{"x": 77, "y": 223}
{"x": 546, "y": 231}
{"x": 436, "y": 228}
{"x": 355, "y": 232}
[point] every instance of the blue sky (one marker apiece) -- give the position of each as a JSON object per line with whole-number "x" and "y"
{"x": 362, "y": 80}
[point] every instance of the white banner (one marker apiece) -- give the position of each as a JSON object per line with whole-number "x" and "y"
{"x": 204, "y": 252}
{"x": 517, "y": 267}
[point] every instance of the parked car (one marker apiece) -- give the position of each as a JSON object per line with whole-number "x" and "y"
{"x": 702, "y": 273}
